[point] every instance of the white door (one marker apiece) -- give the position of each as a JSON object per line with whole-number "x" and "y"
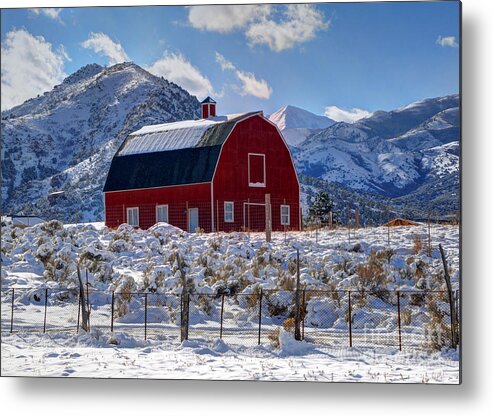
{"x": 193, "y": 219}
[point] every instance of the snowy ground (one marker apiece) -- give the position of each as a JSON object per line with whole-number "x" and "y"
{"x": 37, "y": 355}
{"x": 40, "y": 256}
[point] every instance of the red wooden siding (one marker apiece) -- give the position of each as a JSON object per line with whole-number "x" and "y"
{"x": 231, "y": 181}
{"x": 176, "y": 197}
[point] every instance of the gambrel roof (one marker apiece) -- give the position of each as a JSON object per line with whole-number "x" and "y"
{"x": 184, "y": 152}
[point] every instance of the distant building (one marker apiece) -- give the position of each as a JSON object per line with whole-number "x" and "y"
{"x": 24, "y": 220}
{"x": 211, "y": 174}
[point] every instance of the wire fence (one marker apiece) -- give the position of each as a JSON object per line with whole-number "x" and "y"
{"x": 404, "y": 320}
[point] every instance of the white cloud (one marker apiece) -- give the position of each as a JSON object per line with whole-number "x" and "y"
{"x": 447, "y": 41}
{"x": 278, "y": 27}
{"x": 347, "y": 115}
{"x": 30, "y": 66}
{"x": 224, "y": 18}
{"x": 48, "y": 12}
{"x": 250, "y": 85}
{"x": 176, "y": 68}
{"x": 299, "y": 24}
{"x": 253, "y": 86}
{"x": 225, "y": 64}
{"x": 103, "y": 44}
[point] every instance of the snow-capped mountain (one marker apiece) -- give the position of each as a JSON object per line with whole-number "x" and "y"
{"x": 297, "y": 124}
{"x": 65, "y": 139}
{"x": 391, "y": 154}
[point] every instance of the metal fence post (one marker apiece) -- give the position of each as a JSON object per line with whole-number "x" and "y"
{"x": 222, "y": 315}
{"x": 145, "y": 316}
{"x": 112, "y": 309}
{"x": 78, "y": 315}
{"x": 260, "y": 316}
{"x": 350, "y": 318}
{"x": 303, "y": 320}
{"x": 297, "y": 320}
{"x": 12, "y": 312}
{"x": 399, "y": 319}
{"x": 46, "y": 308}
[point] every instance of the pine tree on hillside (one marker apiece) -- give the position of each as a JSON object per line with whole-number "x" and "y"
{"x": 320, "y": 208}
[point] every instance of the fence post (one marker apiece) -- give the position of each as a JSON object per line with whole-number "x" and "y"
{"x": 185, "y": 304}
{"x": 268, "y": 221}
{"x": 78, "y": 315}
{"x": 349, "y": 224}
{"x": 399, "y": 319}
{"x": 12, "y": 312}
{"x": 297, "y": 318}
{"x": 260, "y": 316}
{"x": 112, "y": 309}
{"x": 46, "y": 308}
{"x": 388, "y": 227}
{"x": 222, "y": 315}
{"x": 429, "y": 234}
{"x": 350, "y": 318}
{"x": 145, "y": 315}
{"x": 303, "y": 320}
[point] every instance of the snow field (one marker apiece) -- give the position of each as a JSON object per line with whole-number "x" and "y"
{"x": 237, "y": 264}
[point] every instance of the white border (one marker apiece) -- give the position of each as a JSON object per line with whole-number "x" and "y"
{"x": 289, "y": 213}
{"x": 167, "y": 211}
{"x": 138, "y": 217}
{"x": 256, "y": 184}
{"x": 232, "y": 212}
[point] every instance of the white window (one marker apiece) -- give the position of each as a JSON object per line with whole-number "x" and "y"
{"x": 284, "y": 214}
{"x": 133, "y": 216}
{"x": 256, "y": 170}
{"x": 162, "y": 213}
{"x": 229, "y": 215}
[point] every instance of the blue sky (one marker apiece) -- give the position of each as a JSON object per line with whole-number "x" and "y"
{"x": 351, "y": 55}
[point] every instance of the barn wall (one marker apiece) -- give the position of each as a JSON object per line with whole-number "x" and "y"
{"x": 176, "y": 197}
{"x": 231, "y": 181}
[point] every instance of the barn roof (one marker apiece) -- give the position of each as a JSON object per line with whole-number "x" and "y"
{"x": 208, "y": 100}
{"x": 181, "y": 134}
{"x": 184, "y": 152}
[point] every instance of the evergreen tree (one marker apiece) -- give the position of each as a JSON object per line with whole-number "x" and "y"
{"x": 320, "y": 208}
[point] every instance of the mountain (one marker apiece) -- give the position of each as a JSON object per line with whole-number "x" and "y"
{"x": 297, "y": 124}
{"x": 403, "y": 154}
{"x": 64, "y": 140}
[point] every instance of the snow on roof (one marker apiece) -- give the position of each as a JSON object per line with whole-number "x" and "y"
{"x": 171, "y": 136}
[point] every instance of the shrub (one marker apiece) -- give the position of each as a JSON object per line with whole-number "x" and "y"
{"x": 289, "y": 324}
{"x": 438, "y": 332}
{"x": 417, "y": 244}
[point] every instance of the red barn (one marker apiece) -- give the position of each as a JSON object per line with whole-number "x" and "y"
{"x": 213, "y": 174}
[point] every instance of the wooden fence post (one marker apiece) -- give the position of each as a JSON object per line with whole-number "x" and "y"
{"x": 268, "y": 221}
{"x": 451, "y": 300}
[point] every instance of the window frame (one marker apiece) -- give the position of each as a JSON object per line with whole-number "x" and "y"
{"x": 136, "y": 209}
{"x": 255, "y": 184}
{"x": 288, "y": 214}
{"x": 232, "y": 204}
{"x": 167, "y": 212}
